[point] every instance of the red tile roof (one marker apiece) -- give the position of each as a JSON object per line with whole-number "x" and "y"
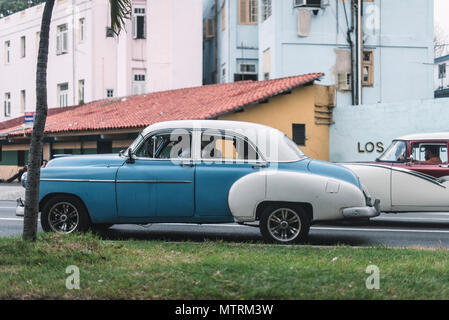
{"x": 204, "y": 102}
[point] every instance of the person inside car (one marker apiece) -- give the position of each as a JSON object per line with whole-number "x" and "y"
{"x": 433, "y": 155}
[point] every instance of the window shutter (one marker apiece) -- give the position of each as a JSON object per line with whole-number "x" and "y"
{"x": 243, "y": 11}
{"x": 58, "y": 44}
{"x": 134, "y": 27}
{"x": 65, "y": 42}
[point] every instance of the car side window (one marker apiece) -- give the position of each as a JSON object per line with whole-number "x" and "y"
{"x": 224, "y": 147}
{"x": 430, "y": 153}
{"x": 166, "y": 146}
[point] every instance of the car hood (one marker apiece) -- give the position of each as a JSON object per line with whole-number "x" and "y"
{"x": 106, "y": 160}
{"x": 333, "y": 170}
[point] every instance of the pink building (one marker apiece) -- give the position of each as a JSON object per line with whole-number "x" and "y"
{"x": 161, "y": 49}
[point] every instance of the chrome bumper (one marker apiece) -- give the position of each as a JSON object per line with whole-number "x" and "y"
{"x": 20, "y": 208}
{"x": 362, "y": 212}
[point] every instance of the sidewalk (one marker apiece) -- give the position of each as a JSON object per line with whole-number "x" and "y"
{"x": 11, "y": 191}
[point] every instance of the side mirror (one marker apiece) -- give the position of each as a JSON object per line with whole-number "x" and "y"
{"x": 130, "y": 156}
{"x": 410, "y": 160}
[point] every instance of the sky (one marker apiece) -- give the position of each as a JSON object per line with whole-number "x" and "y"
{"x": 441, "y": 17}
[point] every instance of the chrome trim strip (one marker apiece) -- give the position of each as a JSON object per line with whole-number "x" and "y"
{"x": 152, "y": 181}
{"x": 78, "y": 180}
{"x": 403, "y": 170}
{"x": 113, "y": 181}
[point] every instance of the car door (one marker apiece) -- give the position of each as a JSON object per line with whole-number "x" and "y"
{"x": 224, "y": 159}
{"x": 411, "y": 190}
{"x": 159, "y": 181}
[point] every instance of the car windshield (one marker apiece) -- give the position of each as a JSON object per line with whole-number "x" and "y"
{"x": 135, "y": 144}
{"x": 395, "y": 153}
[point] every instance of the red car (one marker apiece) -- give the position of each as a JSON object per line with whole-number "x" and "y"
{"x": 412, "y": 175}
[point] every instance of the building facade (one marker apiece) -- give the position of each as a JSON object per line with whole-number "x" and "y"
{"x": 382, "y": 53}
{"x": 160, "y": 49}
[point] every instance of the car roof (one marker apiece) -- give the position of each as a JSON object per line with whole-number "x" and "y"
{"x": 426, "y": 136}
{"x": 210, "y": 124}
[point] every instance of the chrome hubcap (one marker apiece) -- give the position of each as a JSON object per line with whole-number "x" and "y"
{"x": 284, "y": 224}
{"x": 63, "y": 218}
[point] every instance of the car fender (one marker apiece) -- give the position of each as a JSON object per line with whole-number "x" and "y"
{"x": 327, "y": 196}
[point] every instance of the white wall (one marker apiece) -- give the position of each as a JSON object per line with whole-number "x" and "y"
{"x": 175, "y": 47}
{"x": 381, "y": 123}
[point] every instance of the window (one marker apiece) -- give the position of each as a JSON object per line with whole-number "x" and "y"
{"x": 226, "y": 147}
{"x": 248, "y": 68}
{"x": 139, "y": 23}
{"x": 7, "y": 52}
{"x": 81, "y": 30}
{"x": 62, "y": 39}
{"x": 396, "y": 152}
{"x": 139, "y": 82}
{"x": 21, "y": 158}
{"x": 248, "y": 11}
{"x": 104, "y": 147}
{"x": 299, "y": 134}
{"x": 23, "y": 47}
{"x": 175, "y": 145}
{"x": 7, "y": 104}
{"x": 22, "y": 101}
{"x": 67, "y": 151}
{"x": 209, "y": 27}
{"x": 367, "y": 68}
{"x": 81, "y": 91}
{"x": 63, "y": 94}
{"x": 110, "y": 93}
{"x": 422, "y": 152}
{"x": 267, "y": 9}
{"x": 442, "y": 71}
{"x": 223, "y": 16}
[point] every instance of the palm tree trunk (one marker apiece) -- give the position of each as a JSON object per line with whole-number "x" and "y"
{"x": 37, "y": 138}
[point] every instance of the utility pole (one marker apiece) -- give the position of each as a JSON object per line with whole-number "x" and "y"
{"x": 216, "y": 42}
{"x": 359, "y": 50}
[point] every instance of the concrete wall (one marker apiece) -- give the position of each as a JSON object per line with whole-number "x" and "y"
{"x": 361, "y": 129}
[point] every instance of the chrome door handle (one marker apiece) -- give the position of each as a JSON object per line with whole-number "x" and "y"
{"x": 191, "y": 165}
{"x": 259, "y": 166}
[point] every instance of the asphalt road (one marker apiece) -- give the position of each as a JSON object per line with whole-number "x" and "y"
{"x": 430, "y": 230}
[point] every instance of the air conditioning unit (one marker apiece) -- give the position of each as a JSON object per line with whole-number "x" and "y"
{"x": 345, "y": 81}
{"x": 299, "y": 3}
{"x": 210, "y": 29}
{"x": 307, "y": 3}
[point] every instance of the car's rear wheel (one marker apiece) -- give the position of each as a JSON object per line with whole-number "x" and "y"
{"x": 284, "y": 224}
{"x": 64, "y": 215}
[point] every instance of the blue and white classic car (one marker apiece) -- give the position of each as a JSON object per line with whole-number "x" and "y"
{"x": 202, "y": 172}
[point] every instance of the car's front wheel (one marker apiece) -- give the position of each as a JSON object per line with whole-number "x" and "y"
{"x": 284, "y": 224}
{"x": 64, "y": 215}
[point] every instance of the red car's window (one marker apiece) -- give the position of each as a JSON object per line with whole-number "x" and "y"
{"x": 429, "y": 153}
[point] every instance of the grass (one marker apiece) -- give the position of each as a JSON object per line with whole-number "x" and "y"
{"x": 214, "y": 270}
